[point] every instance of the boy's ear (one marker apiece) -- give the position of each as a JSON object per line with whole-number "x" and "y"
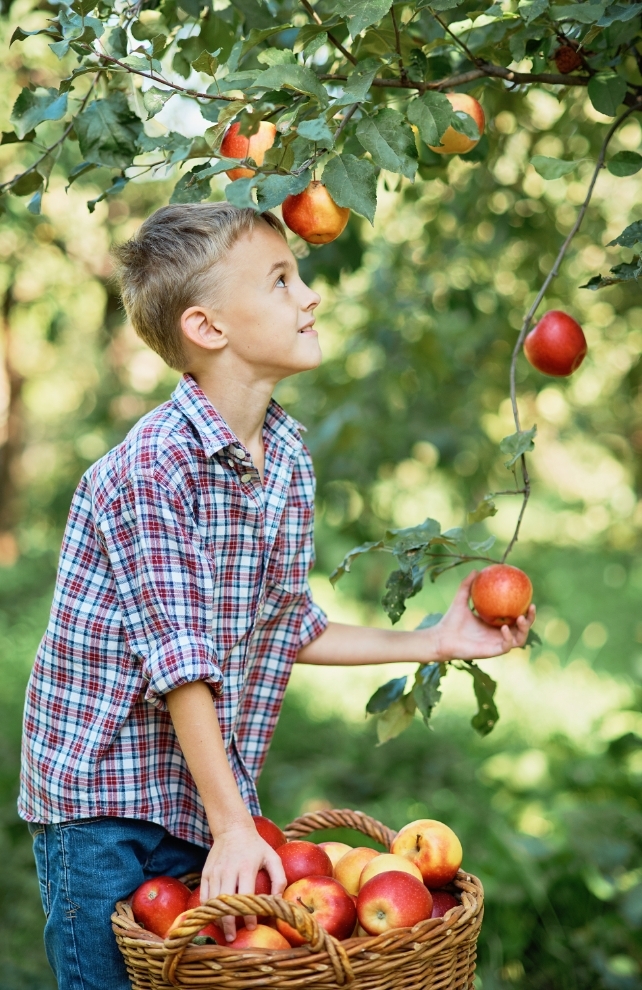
{"x": 201, "y": 327}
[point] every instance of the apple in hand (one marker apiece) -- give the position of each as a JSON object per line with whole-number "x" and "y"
{"x": 314, "y": 215}
{"x": 261, "y": 937}
{"x": 386, "y": 862}
{"x": 268, "y": 831}
{"x": 349, "y": 868}
{"x": 335, "y": 850}
{"x": 304, "y": 859}
{"x": 235, "y": 145}
{"x": 325, "y": 898}
{"x": 556, "y": 345}
{"x": 431, "y": 846}
{"x": 454, "y": 142}
{"x": 158, "y": 901}
{"x": 442, "y": 902}
{"x": 501, "y": 593}
{"x": 392, "y": 900}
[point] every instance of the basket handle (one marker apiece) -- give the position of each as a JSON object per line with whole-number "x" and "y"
{"x": 240, "y": 905}
{"x": 345, "y": 818}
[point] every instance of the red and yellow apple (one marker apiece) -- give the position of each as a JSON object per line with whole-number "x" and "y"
{"x": 386, "y": 862}
{"x": 236, "y": 145}
{"x": 454, "y": 142}
{"x": 500, "y": 594}
{"x": 314, "y": 215}
{"x": 335, "y": 850}
{"x": 349, "y": 868}
{"x": 556, "y": 345}
{"x": 442, "y": 902}
{"x": 431, "y": 846}
{"x": 392, "y": 900}
{"x": 329, "y": 902}
{"x": 158, "y": 901}
{"x": 304, "y": 859}
{"x": 261, "y": 937}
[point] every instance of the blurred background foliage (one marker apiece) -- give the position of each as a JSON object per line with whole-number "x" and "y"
{"x": 418, "y": 318}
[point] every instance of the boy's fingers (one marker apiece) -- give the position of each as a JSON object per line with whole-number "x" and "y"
{"x": 274, "y": 866}
{"x": 205, "y": 889}
{"x": 247, "y": 885}
{"x": 463, "y": 591}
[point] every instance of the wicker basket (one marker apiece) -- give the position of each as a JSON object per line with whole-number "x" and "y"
{"x": 438, "y": 954}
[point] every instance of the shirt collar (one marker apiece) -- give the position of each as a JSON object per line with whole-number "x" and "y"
{"x": 213, "y": 431}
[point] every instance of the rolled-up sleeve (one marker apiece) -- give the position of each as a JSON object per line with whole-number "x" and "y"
{"x": 165, "y": 580}
{"x": 314, "y": 620}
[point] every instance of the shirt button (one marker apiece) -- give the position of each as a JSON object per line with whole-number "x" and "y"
{"x": 246, "y": 477}
{"x": 238, "y": 452}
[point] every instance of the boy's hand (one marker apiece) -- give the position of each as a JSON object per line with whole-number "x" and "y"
{"x": 463, "y": 636}
{"x": 231, "y": 867}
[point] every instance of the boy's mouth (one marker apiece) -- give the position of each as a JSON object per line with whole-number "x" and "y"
{"x": 308, "y": 328}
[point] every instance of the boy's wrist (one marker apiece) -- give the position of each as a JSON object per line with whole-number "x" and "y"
{"x": 228, "y": 821}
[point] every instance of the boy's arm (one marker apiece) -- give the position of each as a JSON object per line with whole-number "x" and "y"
{"x": 460, "y": 635}
{"x": 238, "y": 852}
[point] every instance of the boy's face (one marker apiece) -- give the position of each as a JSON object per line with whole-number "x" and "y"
{"x": 263, "y": 313}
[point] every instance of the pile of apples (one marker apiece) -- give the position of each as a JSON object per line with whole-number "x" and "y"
{"x": 351, "y": 891}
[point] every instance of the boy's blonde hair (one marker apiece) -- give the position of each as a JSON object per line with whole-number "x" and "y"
{"x": 166, "y": 267}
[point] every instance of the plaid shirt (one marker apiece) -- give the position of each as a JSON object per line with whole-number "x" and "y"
{"x": 177, "y": 565}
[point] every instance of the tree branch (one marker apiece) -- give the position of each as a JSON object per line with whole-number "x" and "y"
{"x": 159, "y": 79}
{"x": 458, "y": 40}
{"x": 335, "y": 41}
{"x": 484, "y": 69}
{"x": 402, "y": 68}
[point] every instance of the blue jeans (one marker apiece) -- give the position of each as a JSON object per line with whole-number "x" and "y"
{"x": 84, "y": 867}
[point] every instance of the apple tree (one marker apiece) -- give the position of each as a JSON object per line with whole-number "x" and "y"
{"x": 356, "y": 96}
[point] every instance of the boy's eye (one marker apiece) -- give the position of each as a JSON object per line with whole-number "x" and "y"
{"x": 281, "y": 280}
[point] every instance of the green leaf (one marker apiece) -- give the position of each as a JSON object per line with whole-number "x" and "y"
{"x": 192, "y": 187}
{"x": 116, "y": 44}
{"x": 385, "y": 695}
{"x": 430, "y": 620}
{"x": 440, "y": 5}
{"x": 389, "y": 140}
{"x": 483, "y": 546}
{"x": 359, "y": 82}
{"x": 206, "y": 63}
{"x": 9, "y": 137}
{"x": 412, "y": 537}
{"x": 618, "y": 12}
{"x": 108, "y": 132}
{"x": 141, "y": 63}
{"x": 625, "y": 163}
{"x": 483, "y": 510}
{"x": 533, "y": 639}
{"x": 484, "y": 686}
{"x": 79, "y": 170}
{"x": 401, "y": 585}
{"x": 346, "y": 563}
{"x": 581, "y": 13}
{"x": 276, "y": 56}
{"x": 393, "y": 721}
{"x": 629, "y": 237}
{"x": 316, "y": 130}
{"x": 627, "y": 272}
{"x": 425, "y": 690}
{"x": 239, "y": 192}
{"x": 154, "y": 100}
{"x": 552, "y": 168}
{"x": 258, "y": 35}
{"x": 34, "y": 106}
{"x": 517, "y": 444}
{"x": 352, "y": 182}
{"x": 295, "y": 77}
{"x": 117, "y": 186}
{"x": 432, "y": 114}
{"x": 273, "y": 189}
{"x": 530, "y": 9}
{"x": 20, "y": 35}
{"x": 606, "y": 92}
{"x": 360, "y": 14}
{"x": 27, "y": 184}
{"x": 35, "y": 203}
{"x": 307, "y": 34}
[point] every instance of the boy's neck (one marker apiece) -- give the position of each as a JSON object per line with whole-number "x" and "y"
{"x": 242, "y": 404}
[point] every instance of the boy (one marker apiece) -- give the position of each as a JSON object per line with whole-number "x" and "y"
{"x": 182, "y": 598}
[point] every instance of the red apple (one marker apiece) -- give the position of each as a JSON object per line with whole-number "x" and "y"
{"x": 261, "y": 938}
{"x": 431, "y": 846}
{"x": 387, "y": 862}
{"x": 263, "y": 885}
{"x": 557, "y": 345}
{"x": 327, "y": 900}
{"x": 269, "y": 832}
{"x": 194, "y": 899}
{"x": 235, "y": 145}
{"x": 501, "y": 593}
{"x": 335, "y": 850}
{"x": 314, "y": 215}
{"x": 304, "y": 859}
{"x": 349, "y": 868}
{"x": 442, "y": 902}
{"x": 212, "y": 929}
{"x": 454, "y": 142}
{"x": 157, "y": 902}
{"x": 392, "y": 900}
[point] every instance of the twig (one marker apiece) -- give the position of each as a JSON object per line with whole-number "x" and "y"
{"x": 321, "y": 151}
{"x": 159, "y": 79}
{"x": 335, "y": 41}
{"x": 402, "y": 68}
{"x": 538, "y": 298}
{"x": 63, "y": 137}
{"x": 484, "y": 69}
{"x": 458, "y": 40}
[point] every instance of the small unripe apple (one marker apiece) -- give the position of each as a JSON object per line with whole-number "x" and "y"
{"x": 557, "y": 345}
{"x": 452, "y": 141}
{"x": 314, "y": 215}
{"x": 235, "y": 145}
{"x": 501, "y": 593}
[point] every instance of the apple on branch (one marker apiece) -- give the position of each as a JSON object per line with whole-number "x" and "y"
{"x": 454, "y": 142}
{"x": 314, "y": 215}
{"x": 557, "y": 345}
{"x": 236, "y": 145}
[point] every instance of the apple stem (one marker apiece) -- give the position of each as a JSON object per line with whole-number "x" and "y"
{"x": 528, "y": 319}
